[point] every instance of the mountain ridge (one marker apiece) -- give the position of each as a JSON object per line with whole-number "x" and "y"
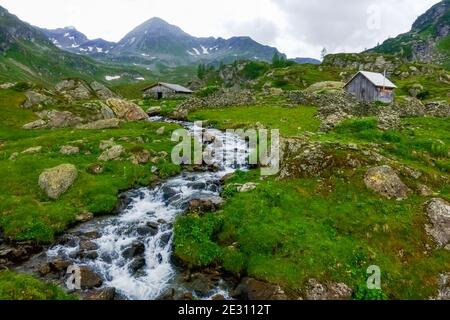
{"x": 157, "y": 41}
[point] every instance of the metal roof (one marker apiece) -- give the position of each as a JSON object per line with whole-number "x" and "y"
{"x": 171, "y": 86}
{"x": 377, "y": 79}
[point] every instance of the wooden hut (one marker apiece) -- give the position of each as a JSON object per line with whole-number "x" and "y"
{"x": 371, "y": 86}
{"x": 162, "y": 90}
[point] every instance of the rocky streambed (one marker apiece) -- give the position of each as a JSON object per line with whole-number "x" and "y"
{"x": 129, "y": 256}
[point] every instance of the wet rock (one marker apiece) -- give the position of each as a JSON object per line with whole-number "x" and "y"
{"x": 386, "y": 182}
{"x": 59, "y": 265}
{"x": 102, "y": 124}
{"x": 90, "y": 255}
{"x": 147, "y": 231}
{"x": 89, "y": 279}
{"x": 226, "y": 178}
{"x": 205, "y": 205}
{"x": 331, "y": 291}
{"x": 137, "y": 264}
{"x": 165, "y": 239}
{"x": 90, "y": 235}
{"x": 168, "y": 193}
{"x": 69, "y": 150}
{"x": 58, "y": 180}
{"x": 17, "y": 253}
{"x": 201, "y": 284}
{"x": 106, "y": 294}
{"x": 126, "y": 110}
{"x": 69, "y": 240}
{"x": 252, "y": 289}
{"x": 87, "y": 245}
{"x": 438, "y": 211}
{"x": 136, "y": 249}
{"x": 218, "y": 297}
{"x": 112, "y": 153}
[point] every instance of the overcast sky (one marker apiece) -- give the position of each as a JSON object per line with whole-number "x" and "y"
{"x": 299, "y": 28}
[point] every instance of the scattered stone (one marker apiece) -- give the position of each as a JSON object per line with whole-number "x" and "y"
{"x": 424, "y": 191}
{"x": 14, "y": 156}
{"x": 112, "y": 153}
{"x": 101, "y": 124}
{"x": 32, "y": 150}
{"x": 254, "y": 290}
{"x": 126, "y": 110}
{"x": 389, "y": 119}
{"x": 141, "y": 157}
{"x": 161, "y": 131}
{"x": 386, "y": 182}
{"x": 95, "y": 169}
{"x": 69, "y": 150}
{"x": 331, "y": 291}
{"x": 247, "y": 187}
{"x": 57, "y": 180}
{"x": 87, "y": 245}
{"x": 38, "y": 124}
{"x": 154, "y": 111}
{"x": 438, "y": 211}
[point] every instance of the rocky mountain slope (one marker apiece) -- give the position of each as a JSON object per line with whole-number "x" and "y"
{"x": 428, "y": 40}
{"x": 156, "y": 41}
{"x": 26, "y": 54}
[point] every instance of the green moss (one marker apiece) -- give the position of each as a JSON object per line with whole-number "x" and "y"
{"x": 15, "y": 286}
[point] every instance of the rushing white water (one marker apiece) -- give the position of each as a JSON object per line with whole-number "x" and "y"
{"x": 147, "y": 224}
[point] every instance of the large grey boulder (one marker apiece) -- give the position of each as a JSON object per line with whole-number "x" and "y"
{"x": 438, "y": 211}
{"x": 38, "y": 124}
{"x": 57, "y": 180}
{"x": 34, "y": 98}
{"x": 386, "y": 182}
{"x": 126, "y": 110}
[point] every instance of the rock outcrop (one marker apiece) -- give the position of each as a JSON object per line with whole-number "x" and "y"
{"x": 330, "y": 291}
{"x": 385, "y": 181}
{"x": 73, "y": 89}
{"x": 438, "y": 211}
{"x": 57, "y": 180}
{"x": 101, "y": 91}
{"x": 254, "y": 290}
{"x": 126, "y": 110}
{"x": 101, "y": 124}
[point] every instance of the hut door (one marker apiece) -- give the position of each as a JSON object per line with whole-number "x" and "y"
{"x": 160, "y": 95}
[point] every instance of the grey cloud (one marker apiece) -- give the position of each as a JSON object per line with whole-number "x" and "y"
{"x": 260, "y": 29}
{"x": 350, "y": 24}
